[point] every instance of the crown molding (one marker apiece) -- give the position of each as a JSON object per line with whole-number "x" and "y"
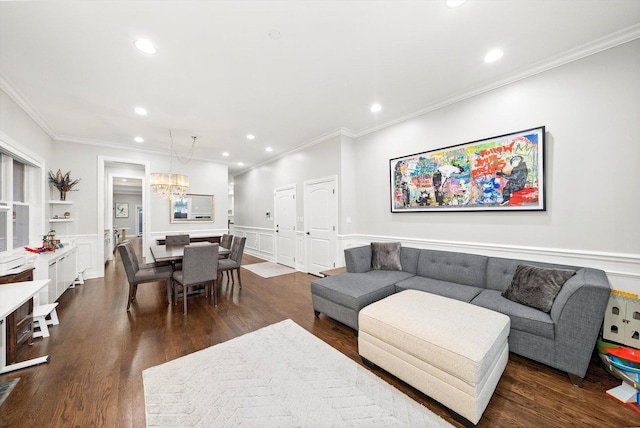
{"x": 607, "y": 42}
{"x": 340, "y": 132}
{"x": 25, "y": 105}
{"x": 610, "y": 41}
{"x": 112, "y": 145}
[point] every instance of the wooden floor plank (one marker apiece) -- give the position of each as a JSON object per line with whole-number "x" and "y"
{"x": 99, "y": 350}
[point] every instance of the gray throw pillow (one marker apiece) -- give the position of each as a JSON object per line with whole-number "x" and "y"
{"x": 385, "y": 256}
{"x": 537, "y": 287}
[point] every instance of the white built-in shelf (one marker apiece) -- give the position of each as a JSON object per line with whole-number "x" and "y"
{"x": 59, "y": 220}
{"x": 61, "y": 202}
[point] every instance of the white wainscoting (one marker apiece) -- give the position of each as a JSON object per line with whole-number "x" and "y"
{"x": 623, "y": 270}
{"x": 260, "y": 241}
{"x": 88, "y": 264}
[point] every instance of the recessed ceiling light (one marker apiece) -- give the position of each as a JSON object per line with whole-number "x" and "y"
{"x": 251, "y": 137}
{"x": 454, "y": 3}
{"x": 376, "y": 108}
{"x": 146, "y": 46}
{"x": 240, "y": 164}
{"x": 139, "y": 140}
{"x": 493, "y": 55}
{"x": 225, "y": 154}
{"x": 269, "y": 149}
{"x": 141, "y": 111}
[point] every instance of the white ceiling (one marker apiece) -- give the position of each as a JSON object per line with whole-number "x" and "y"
{"x": 220, "y": 76}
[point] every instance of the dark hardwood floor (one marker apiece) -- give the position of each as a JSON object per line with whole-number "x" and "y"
{"x": 99, "y": 351}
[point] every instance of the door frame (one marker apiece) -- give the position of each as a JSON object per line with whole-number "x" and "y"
{"x": 103, "y": 192}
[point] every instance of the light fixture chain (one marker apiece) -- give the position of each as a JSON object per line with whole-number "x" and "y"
{"x": 182, "y": 158}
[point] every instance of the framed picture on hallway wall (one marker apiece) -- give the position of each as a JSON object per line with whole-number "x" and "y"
{"x": 122, "y": 210}
{"x": 503, "y": 173}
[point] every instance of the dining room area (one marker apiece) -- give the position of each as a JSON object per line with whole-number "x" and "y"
{"x": 187, "y": 265}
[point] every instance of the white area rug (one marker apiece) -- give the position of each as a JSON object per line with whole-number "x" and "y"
{"x": 278, "y": 376}
{"x": 268, "y": 269}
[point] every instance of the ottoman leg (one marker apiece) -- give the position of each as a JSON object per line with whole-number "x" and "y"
{"x": 368, "y": 363}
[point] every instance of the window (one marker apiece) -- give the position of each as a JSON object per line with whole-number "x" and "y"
{"x": 15, "y": 203}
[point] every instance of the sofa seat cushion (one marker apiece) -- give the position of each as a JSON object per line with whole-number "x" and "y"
{"x": 466, "y": 293}
{"x": 356, "y": 291}
{"x": 523, "y": 318}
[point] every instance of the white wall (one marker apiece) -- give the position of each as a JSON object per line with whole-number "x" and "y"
{"x": 256, "y": 196}
{"x": 590, "y": 109}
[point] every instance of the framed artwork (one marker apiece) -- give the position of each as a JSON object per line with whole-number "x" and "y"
{"x": 122, "y": 210}
{"x": 503, "y": 173}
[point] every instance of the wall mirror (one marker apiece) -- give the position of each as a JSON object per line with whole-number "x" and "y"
{"x": 192, "y": 209}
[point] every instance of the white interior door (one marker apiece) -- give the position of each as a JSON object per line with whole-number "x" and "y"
{"x": 321, "y": 218}
{"x": 285, "y": 220}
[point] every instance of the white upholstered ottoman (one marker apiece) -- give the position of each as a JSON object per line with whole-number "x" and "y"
{"x": 452, "y": 351}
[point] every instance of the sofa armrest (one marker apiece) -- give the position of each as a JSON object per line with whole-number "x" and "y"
{"x": 358, "y": 259}
{"x": 578, "y": 312}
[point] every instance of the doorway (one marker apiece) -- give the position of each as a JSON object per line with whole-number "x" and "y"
{"x": 108, "y": 168}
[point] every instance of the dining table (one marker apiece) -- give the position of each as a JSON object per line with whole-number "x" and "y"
{"x": 175, "y": 253}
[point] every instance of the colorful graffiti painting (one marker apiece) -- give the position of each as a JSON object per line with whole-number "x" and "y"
{"x": 499, "y": 173}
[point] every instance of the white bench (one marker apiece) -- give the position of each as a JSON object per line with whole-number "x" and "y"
{"x": 40, "y": 320}
{"x": 452, "y": 351}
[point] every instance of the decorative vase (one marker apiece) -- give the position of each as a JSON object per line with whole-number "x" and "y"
{"x": 63, "y": 195}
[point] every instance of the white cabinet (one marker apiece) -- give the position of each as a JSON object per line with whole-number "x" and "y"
{"x": 622, "y": 321}
{"x": 61, "y": 267}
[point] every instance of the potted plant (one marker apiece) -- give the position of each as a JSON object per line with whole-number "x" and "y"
{"x": 62, "y": 182}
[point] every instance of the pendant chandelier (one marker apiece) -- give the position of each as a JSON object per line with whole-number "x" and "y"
{"x": 168, "y": 184}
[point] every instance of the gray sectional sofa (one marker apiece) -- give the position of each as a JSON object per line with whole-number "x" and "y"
{"x": 563, "y": 338}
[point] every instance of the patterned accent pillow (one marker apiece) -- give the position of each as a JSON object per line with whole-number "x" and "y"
{"x": 537, "y": 287}
{"x": 385, "y": 256}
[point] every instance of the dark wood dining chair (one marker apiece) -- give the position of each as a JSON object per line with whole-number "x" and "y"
{"x": 141, "y": 273}
{"x": 177, "y": 239}
{"x": 198, "y": 267}
{"x": 232, "y": 264}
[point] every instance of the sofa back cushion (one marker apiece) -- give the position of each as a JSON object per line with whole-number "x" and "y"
{"x": 461, "y": 268}
{"x": 409, "y": 258}
{"x": 358, "y": 259}
{"x": 500, "y": 271}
